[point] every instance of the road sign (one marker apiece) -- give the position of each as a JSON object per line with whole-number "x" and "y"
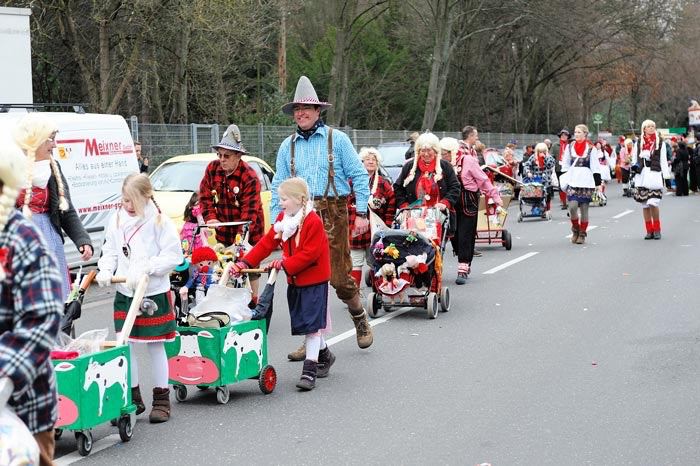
{"x": 597, "y": 119}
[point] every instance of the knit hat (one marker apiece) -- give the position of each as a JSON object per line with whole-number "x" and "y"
{"x": 304, "y": 95}
{"x": 13, "y": 166}
{"x": 426, "y": 140}
{"x": 204, "y": 254}
{"x": 231, "y": 140}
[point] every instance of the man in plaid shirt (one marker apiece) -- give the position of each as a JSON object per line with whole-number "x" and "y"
{"x": 30, "y": 310}
{"x": 230, "y": 191}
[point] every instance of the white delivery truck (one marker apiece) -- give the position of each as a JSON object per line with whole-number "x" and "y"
{"x": 96, "y": 153}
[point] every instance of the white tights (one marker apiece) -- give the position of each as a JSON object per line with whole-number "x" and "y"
{"x": 159, "y": 364}
{"x": 314, "y": 343}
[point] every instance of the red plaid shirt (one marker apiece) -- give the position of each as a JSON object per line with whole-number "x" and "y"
{"x": 232, "y": 198}
{"x": 386, "y": 211}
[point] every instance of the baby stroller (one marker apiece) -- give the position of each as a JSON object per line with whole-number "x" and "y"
{"x": 406, "y": 263}
{"x": 533, "y": 200}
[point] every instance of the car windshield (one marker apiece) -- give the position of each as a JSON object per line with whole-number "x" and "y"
{"x": 393, "y": 155}
{"x": 179, "y": 176}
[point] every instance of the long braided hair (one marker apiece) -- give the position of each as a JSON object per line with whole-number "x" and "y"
{"x": 138, "y": 188}
{"x": 12, "y": 168}
{"x": 31, "y": 132}
{"x": 296, "y": 188}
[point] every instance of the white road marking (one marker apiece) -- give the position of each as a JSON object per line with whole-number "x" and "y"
{"x": 512, "y": 262}
{"x": 622, "y": 214}
{"x": 591, "y": 227}
{"x": 373, "y": 323}
{"x": 99, "y": 445}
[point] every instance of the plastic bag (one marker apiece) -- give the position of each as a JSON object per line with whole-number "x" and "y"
{"x": 232, "y": 301}
{"x": 17, "y": 445}
{"x": 86, "y": 343}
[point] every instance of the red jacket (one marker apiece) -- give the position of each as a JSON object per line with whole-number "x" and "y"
{"x": 309, "y": 263}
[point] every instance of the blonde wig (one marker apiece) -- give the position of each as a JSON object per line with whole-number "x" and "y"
{"x": 451, "y": 145}
{"x": 13, "y": 166}
{"x": 426, "y": 140}
{"x": 31, "y": 132}
{"x": 367, "y": 152}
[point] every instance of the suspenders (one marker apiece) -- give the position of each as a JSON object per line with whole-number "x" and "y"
{"x": 330, "y": 183}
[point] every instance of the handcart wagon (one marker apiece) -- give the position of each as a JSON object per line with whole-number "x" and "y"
{"x": 406, "y": 263}
{"x": 216, "y": 356}
{"x": 95, "y": 388}
{"x": 533, "y": 201}
{"x": 490, "y": 226}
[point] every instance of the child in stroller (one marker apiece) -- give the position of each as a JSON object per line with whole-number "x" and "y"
{"x": 406, "y": 263}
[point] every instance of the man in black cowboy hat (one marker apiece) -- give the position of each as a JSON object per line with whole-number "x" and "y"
{"x": 307, "y": 154}
{"x": 230, "y": 192}
{"x": 557, "y": 152}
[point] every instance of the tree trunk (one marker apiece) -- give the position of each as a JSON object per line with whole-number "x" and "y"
{"x": 104, "y": 63}
{"x": 282, "y": 52}
{"x": 183, "y": 52}
{"x": 336, "y": 79}
{"x": 442, "y": 25}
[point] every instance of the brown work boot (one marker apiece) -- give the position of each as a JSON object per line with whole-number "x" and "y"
{"x": 581, "y": 237}
{"x": 137, "y": 400}
{"x": 575, "y": 232}
{"x": 363, "y": 331}
{"x": 298, "y": 354}
{"x": 161, "y": 405}
{"x": 307, "y": 381}
{"x": 325, "y": 361}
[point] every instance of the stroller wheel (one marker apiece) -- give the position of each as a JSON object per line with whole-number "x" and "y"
{"x": 372, "y": 305}
{"x": 431, "y": 305}
{"x": 507, "y": 240}
{"x": 445, "y": 299}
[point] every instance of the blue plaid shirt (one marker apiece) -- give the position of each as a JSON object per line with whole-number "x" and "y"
{"x": 30, "y": 313}
{"x": 311, "y": 164}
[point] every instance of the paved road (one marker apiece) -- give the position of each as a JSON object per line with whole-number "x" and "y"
{"x": 572, "y": 355}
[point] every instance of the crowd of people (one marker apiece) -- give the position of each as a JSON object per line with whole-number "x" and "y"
{"x": 323, "y": 195}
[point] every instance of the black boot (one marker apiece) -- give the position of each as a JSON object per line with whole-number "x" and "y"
{"x": 137, "y": 400}
{"x": 325, "y": 361}
{"x": 307, "y": 381}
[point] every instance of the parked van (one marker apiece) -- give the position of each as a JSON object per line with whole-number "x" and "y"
{"x": 96, "y": 153}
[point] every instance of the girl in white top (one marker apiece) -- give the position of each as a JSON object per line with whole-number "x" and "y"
{"x": 580, "y": 162}
{"x": 140, "y": 240}
{"x": 650, "y": 164}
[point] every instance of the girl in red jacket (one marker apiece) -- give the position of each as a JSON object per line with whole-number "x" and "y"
{"x": 306, "y": 261}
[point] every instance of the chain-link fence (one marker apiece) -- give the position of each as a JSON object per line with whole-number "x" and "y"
{"x": 161, "y": 141}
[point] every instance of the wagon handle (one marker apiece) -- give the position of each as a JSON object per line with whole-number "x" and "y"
{"x": 139, "y": 293}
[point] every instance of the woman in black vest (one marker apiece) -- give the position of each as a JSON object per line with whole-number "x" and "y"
{"x": 650, "y": 166}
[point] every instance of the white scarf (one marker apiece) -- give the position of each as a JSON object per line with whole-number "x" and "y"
{"x": 41, "y": 173}
{"x": 289, "y": 224}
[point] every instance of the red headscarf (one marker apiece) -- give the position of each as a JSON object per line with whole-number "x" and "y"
{"x": 580, "y": 147}
{"x": 427, "y": 190}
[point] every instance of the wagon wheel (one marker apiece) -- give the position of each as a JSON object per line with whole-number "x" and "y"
{"x": 125, "y": 428}
{"x": 180, "y": 392}
{"x": 84, "y": 440}
{"x": 507, "y": 240}
{"x": 373, "y": 305}
{"x": 445, "y": 299}
{"x": 57, "y": 433}
{"x": 222, "y": 394}
{"x": 431, "y": 305}
{"x": 267, "y": 380}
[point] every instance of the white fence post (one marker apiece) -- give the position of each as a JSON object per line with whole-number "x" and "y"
{"x": 193, "y": 137}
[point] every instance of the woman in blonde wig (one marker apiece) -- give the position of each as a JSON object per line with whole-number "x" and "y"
{"x": 46, "y": 198}
{"x": 650, "y": 166}
{"x": 580, "y": 162}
